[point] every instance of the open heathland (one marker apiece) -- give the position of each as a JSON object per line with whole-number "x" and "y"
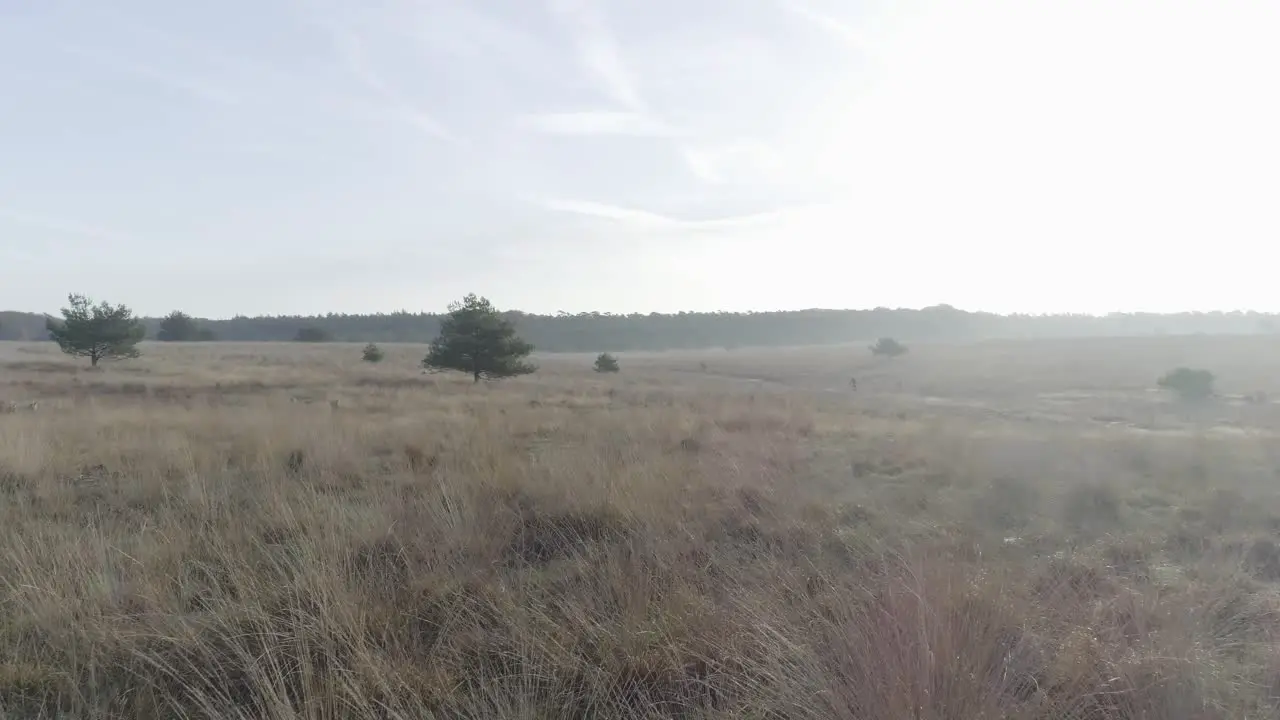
{"x": 1013, "y": 529}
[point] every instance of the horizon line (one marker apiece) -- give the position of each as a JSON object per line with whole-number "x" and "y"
{"x": 609, "y": 313}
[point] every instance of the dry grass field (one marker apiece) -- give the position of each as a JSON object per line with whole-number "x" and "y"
{"x": 998, "y": 530}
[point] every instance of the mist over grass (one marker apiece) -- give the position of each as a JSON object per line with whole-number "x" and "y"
{"x": 1000, "y": 530}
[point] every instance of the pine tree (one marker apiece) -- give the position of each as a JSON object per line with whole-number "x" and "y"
{"x": 98, "y": 332}
{"x": 474, "y": 338}
{"x": 606, "y": 363}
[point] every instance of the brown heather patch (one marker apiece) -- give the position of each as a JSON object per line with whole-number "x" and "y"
{"x": 201, "y": 533}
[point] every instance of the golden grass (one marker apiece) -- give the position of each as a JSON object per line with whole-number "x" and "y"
{"x": 199, "y": 533}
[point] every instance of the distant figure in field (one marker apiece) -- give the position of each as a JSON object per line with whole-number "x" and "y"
{"x": 853, "y": 384}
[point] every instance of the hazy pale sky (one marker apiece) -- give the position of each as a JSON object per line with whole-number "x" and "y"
{"x": 280, "y": 156}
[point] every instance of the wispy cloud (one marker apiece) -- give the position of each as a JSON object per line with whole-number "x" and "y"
{"x": 839, "y": 29}
{"x": 601, "y": 58}
{"x": 599, "y": 51}
{"x": 650, "y": 221}
{"x": 263, "y": 149}
{"x": 189, "y": 85}
{"x": 600, "y": 122}
{"x": 741, "y": 161}
{"x": 294, "y": 89}
{"x": 351, "y": 52}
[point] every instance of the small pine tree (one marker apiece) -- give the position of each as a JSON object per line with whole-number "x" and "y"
{"x": 606, "y": 363}
{"x": 1188, "y": 383}
{"x": 474, "y": 338}
{"x": 372, "y": 353}
{"x": 98, "y": 332}
{"x": 888, "y": 347}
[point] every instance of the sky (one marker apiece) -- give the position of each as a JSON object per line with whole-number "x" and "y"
{"x": 308, "y": 156}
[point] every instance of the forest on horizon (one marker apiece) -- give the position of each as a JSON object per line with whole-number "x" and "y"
{"x": 596, "y": 332}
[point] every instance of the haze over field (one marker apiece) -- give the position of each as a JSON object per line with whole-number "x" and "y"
{"x": 642, "y": 467}
{"x": 295, "y": 156}
{"x": 1031, "y": 530}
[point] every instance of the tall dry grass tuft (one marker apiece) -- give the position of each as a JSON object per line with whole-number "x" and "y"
{"x": 641, "y": 546}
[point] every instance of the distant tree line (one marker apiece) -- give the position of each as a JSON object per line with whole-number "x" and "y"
{"x": 474, "y": 338}
{"x": 600, "y": 332}
{"x": 178, "y": 326}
